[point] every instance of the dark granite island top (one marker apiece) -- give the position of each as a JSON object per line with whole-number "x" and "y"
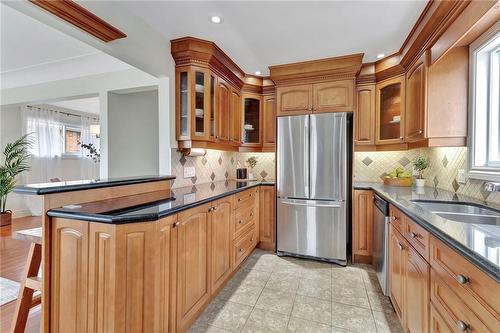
{"x": 478, "y": 243}
{"x": 179, "y": 199}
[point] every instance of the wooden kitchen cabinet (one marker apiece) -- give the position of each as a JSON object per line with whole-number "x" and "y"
{"x": 396, "y": 269}
{"x": 269, "y": 123}
{"x": 224, "y": 96}
{"x": 416, "y": 294}
{"x": 362, "y": 229}
{"x": 294, "y": 100}
{"x": 333, "y": 96}
{"x": 193, "y": 264}
{"x": 364, "y": 117}
{"x": 390, "y": 111}
{"x": 416, "y": 101}
{"x": 235, "y": 115}
{"x": 220, "y": 225}
{"x": 252, "y": 120}
{"x": 267, "y": 227}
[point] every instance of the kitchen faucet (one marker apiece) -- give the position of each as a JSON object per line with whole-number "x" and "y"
{"x": 492, "y": 187}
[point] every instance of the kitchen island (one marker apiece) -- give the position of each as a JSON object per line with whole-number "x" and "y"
{"x": 146, "y": 260}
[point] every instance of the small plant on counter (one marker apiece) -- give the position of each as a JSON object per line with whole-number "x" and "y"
{"x": 16, "y": 155}
{"x": 420, "y": 164}
{"x": 252, "y": 162}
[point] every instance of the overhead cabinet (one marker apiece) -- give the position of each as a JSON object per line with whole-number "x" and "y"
{"x": 390, "y": 111}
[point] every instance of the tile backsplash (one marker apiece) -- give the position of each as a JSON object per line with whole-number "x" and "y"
{"x": 219, "y": 165}
{"x": 442, "y": 173}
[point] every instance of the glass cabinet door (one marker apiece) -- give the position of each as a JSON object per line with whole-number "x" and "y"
{"x": 183, "y": 104}
{"x": 199, "y": 103}
{"x": 251, "y": 124}
{"x": 390, "y": 105}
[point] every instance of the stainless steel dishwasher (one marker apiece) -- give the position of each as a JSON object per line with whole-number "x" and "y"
{"x": 381, "y": 241}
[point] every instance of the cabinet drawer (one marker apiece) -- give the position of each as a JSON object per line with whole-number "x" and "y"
{"x": 437, "y": 323}
{"x": 242, "y": 218}
{"x": 475, "y": 288}
{"x": 243, "y": 246}
{"x": 418, "y": 237}
{"x": 457, "y": 314}
{"x": 245, "y": 198}
{"x": 397, "y": 218}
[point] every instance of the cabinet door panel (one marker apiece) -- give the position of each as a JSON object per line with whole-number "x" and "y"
{"x": 235, "y": 115}
{"x": 362, "y": 226}
{"x": 415, "y": 102}
{"x": 396, "y": 271}
{"x": 294, "y": 100}
{"x": 364, "y": 123}
{"x": 416, "y": 293}
{"x": 269, "y": 121}
{"x": 336, "y": 96}
{"x": 267, "y": 218}
{"x": 193, "y": 279}
{"x": 223, "y": 110}
{"x": 220, "y": 223}
{"x": 390, "y": 111}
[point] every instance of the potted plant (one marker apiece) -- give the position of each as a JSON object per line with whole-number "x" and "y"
{"x": 252, "y": 162}
{"x": 16, "y": 156}
{"x": 420, "y": 164}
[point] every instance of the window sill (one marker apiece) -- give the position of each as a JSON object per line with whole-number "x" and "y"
{"x": 484, "y": 174}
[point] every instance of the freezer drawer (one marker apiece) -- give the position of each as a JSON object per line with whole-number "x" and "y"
{"x": 312, "y": 228}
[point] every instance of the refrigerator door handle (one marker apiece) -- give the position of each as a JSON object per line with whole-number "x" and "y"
{"x": 306, "y": 154}
{"x": 293, "y": 202}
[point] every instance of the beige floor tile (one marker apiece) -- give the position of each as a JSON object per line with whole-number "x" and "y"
{"x": 346, "y": 274}
{"x": 387, "y": 322}
{"x": 252, "y": 277}
{"x": 283, "y": 281}
{"x": 262, "y": 321}
{"x": 276, "y": 301}
{"x": 352, "y": 295}
{"x": 318, "y": 287}
{"x": 230, "y": 316}
{"x": 306, "y": 326}
{"x": 312, "y": 309}
{"x": 206, "y": 329}
{"x": 379, "y": 302}
{"x": 243, "y": 294}
{"x": 353, "y": 318}
{"x": 264, "y": 263}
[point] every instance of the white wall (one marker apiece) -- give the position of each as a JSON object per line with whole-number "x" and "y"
{"x": 133, "y": 134}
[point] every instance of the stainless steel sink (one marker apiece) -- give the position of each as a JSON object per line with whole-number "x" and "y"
{"x": 461, "y": 212}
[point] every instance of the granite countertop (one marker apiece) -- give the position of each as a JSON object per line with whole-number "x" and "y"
{"x": 178, "y": 200}
{"x": 79, "y": 185}
{"x": 478, "y": 243}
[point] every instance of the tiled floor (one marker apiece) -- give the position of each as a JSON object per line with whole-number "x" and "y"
{"x": 273, "y": 294}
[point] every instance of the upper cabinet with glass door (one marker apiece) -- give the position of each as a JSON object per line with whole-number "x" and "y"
{"x": 193, "y": 104}
{"x": 252, "y": 109}
{"x": 390, "y": 107}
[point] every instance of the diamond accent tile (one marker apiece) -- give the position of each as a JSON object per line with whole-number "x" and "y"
{"x": 263, "y": 174}
{"x": 212, "y": 176}
{"x": 435, "y": 181}
{"x": 435, "y": 193}
{"x": 445, "y": 161}
{"x": 367, "y": 161}
{"x": 226, "y": 174}
{"x": 204, "y": 160}
{"x": 232, "y": 160}
{"x": 212, "y": 186}
{"x": 183, "y": 160}
{"x": 455, "y": 185}
{"x": 220, "y": 160}
{"x": 194, "y": 189}
{"x": 194, "y": 179}
{"x": 404, "y": 161}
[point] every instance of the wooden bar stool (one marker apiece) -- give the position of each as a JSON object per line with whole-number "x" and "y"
{"x": 31, "y": 281}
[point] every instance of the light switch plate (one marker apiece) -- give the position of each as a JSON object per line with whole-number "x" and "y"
{"x": 189, "y": 172}
{"x": 461, "y": 176}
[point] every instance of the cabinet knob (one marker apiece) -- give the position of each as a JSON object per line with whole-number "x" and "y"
{"x": 401, "y": 138}
{"x": 240, "y": 221}
{"x": 251, "y": 214}
{"x": 420, "y": 132}
{"x": 462, "y": 279}
{"x": 176, "y": 224}
{"x": 413, "y": 235}
{"x": 400, "y": 246}
{"x": 462, "y": 326}
{"x": 241, "y": 250}
{"x": 394, "y": 218}
{"x": 239, "y": 199}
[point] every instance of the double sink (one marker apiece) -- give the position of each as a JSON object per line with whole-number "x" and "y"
{"x": 461, "y": 211}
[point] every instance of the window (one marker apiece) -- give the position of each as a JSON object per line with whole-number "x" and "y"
{"x": 484, "y": 154}
{"x": 72, "y": 138}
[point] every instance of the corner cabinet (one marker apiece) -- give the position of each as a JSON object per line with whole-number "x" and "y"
{"x": 252, "y": 120}
{"x": 390, "y": 111}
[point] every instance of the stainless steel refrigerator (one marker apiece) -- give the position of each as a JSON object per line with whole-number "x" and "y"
{"x": 312, "y": 182}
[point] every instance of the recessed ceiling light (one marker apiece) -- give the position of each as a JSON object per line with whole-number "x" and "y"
{"x": 380, "y": 55}
{"x": 215, "y": 19}
{"x": 258, "y": 73}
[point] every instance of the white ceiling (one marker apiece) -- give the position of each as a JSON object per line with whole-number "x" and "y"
{"x": 88, "y": 105}
{"x": 257, "y": 34}
{"x": 33, "y": 52}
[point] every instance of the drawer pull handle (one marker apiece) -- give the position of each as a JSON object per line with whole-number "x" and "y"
{"x": 413, "y": 235}
{"x": 251, "y": 214}
{"x": 176, "y": 224}
{"x": 239, "y": 199}
{"x": 400, "y": 246}
{"x": 241, "y": 250}
{"x": 462, "y": 326}
{"x": 462, "y": 279}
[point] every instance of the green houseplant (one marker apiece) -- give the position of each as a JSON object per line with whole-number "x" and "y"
{"x": 252, "y": 162}
{"x": 16, "y": 155}
{"x": 420, "y": 164}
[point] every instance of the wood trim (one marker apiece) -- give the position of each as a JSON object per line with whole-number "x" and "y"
{"x": 81, "y": 18}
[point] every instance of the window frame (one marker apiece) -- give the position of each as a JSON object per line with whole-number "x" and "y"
{"x": 74, "y": 128}
{"x": 491, "y": 171}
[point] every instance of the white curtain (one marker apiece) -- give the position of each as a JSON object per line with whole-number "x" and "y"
{"x": 89, "y": 169}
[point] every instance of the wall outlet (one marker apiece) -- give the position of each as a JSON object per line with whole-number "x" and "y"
{"x": 461, "y": 176}
{"x": 189, "y": 172}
